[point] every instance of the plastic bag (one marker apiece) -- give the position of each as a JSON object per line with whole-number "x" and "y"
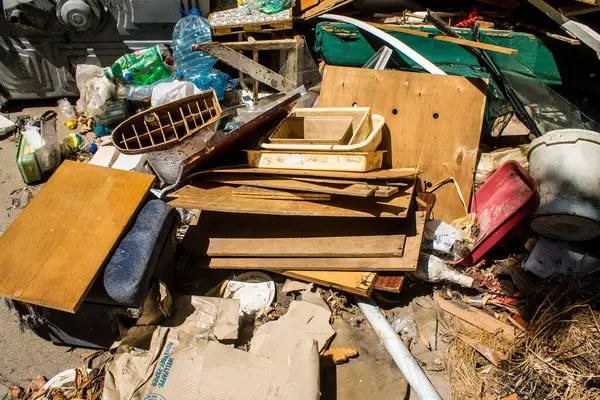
{"x": 167, "y": 92}
{"x": 269, "y": 6}
{"x": 94, "y": 90}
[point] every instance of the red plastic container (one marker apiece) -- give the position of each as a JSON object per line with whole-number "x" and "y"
{"x": 505, "y": 199}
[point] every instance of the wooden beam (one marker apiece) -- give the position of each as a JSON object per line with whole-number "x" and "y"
{"x": 246, "y": 65}
{"x": 379, "y": 174}
{"x": 279, "y": 44}
{"x": 462, "y": 42}
{"x": 475, "y": 317}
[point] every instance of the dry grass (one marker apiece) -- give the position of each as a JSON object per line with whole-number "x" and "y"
{"x": 557, "y": 358}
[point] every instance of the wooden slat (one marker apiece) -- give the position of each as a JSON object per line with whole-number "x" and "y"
{"x": 408, "y": 262}
{"x": 475, "y": 317}
{"x": 462, "y": 42}
{"x": 250, "y": 192}
{"x": 380, "y": 174}
{"x": 358, "y": 190}
{"x": 214, "y": 197}
{"x": 323, "y": 7}
{"x": 360, "y": 283}
{"x": 52, "y": 252}
{"x": 386, "y": 191}
{"x": 432, "y": 122}
{"x": 329, "y": 246}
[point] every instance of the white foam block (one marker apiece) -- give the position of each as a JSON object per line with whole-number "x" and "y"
{"x": 6, "y": 125}
{"x": 105, "y": 156}
{"x": 130, "y": 162}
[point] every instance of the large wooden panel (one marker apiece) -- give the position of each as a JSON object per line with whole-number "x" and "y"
{"x": 53, "y": 251}
{"x": 408, "y": 262}
{"x": 214, "y": 197}
{"x": 433, "y": 123}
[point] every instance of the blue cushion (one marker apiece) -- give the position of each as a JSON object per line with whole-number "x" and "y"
{"x": 128, "y": 273}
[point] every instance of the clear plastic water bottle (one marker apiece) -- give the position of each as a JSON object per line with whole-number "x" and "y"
{"x": 194, "y": 66}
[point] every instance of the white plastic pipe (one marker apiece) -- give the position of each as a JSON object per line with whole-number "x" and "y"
{"x": 397, "y": 44}
{"x": 409, "y": 367}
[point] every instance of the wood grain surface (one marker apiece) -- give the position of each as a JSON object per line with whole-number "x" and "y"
{"x": 52, "y": 252}
{"x": 433, "y": 123}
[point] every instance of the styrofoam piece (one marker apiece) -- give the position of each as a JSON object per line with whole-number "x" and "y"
{"x": 128, "y": 162}
{"x": 105, "y": 156}
{"x": 255, "y": 291}
{"x": 551, "y": 256}
{"x": 6, "y": 125}
{"x": 369, "y": 144}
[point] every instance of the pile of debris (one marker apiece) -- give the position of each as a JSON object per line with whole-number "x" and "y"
{"x": 412, "y": 187}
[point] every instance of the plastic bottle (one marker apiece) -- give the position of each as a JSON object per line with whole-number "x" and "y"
{"x": 142, "y": 67}
{"x": 194, "y": 66}
{"x": 68, "y": 111}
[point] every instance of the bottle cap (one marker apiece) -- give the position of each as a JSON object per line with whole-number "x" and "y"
{"x": 70, "y": 124}
{"x": 194, "y": 11}
{"x": 169, "y": 61}
{"x": 93, "y": 148}
{"x": 128, "y": 76}
{"x": 179, "y": 73}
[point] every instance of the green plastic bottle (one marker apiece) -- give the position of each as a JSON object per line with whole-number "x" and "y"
{"x": 142, "y": 67}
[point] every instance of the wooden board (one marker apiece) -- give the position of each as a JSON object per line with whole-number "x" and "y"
{"x": 379, "y": 174}
{"x": 462, "y": 42}
{"x": 433, "y": 122}
{"x": 273, "y": 182}
{"x": 330, "y": 246}
{"x": 52, "y": 252}
{"x": 360, "y": 283}
{"x": 250, "y": 192}
{"x": 229, "y": 235}
{"x": 406, "y": 263}
{"x": 214, "y": 197}
{"x": 475, "y": 317}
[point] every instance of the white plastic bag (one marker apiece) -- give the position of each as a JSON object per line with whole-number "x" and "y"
{"x": 94, "y": 90}
{"x": 167, "y": 92}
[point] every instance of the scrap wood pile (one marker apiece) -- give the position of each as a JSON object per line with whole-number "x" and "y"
{"x": 416, "y": 188}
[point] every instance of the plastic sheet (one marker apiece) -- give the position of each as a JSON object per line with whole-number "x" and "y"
{"x": 94, "y": 89}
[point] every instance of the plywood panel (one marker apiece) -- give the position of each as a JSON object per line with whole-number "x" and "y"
{"x": 214, "y": 197}
{"x": 433, "y": 123}
{"x": 53, "y": 251}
